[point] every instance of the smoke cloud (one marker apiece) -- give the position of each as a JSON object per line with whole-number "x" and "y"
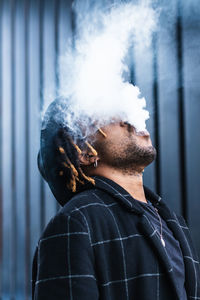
{"x": 92, "y": 75}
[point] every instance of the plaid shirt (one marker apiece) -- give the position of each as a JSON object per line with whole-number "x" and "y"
{"x": 101, "y": 245}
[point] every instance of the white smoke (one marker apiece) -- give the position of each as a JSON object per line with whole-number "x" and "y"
{"x": 92, "y": 74}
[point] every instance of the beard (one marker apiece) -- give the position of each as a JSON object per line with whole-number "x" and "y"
{"x": 127, "y": 156}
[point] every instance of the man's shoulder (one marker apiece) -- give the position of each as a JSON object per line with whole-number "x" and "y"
{"x": 89, "y": 202}
{"x": 85, "y": 204}
{"x": 86, "y": 200}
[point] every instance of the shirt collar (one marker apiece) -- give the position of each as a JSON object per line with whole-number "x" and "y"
{"x": 123, "y": 196}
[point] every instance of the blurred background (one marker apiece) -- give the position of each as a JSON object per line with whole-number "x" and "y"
{"x": 33, "y": 35}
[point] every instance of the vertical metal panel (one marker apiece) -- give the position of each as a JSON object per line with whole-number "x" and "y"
{"x": 65, "y": 32}
{"x": 13, "y": 274}
{"x": 191, "y": 75}
{"x": 156, "y": 113}
{"x": 1, "y": 199}
{"x": 181, "y": 116}
{"x": 41, "y": 77}
{"x": 20, "y": 146}
{"x": 35, "y": 87}
{"x": 6, "y": 145}
{"x": 27, "y": 152}
{"x": 49, "y": 87}
{"x": 56, "y": 58}
{"x": 64, "y": 29}
{"x": 168, "y": 74}
{"x": 56, "y": 39}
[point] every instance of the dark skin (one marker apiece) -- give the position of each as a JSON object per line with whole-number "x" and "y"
{"x": 116, "y": 162}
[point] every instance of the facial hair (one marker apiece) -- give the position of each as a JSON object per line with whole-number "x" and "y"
{"x": 127, "y": 156}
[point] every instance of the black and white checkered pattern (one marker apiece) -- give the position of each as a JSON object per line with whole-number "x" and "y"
{"x": 101, "y": 245}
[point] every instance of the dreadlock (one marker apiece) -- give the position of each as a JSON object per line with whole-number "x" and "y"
{"x": 67, "y": 160}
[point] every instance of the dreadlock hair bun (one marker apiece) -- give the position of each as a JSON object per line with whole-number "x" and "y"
{"x": 58, "y": 160}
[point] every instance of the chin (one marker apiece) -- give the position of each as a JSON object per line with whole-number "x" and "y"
{"x": 151, "y": 155}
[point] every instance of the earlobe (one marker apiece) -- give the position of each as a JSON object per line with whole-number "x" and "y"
{"x": 84, "y": 160}
{"x": 87, "y": 159}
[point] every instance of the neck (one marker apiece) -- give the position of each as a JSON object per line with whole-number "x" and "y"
{"x": 132, "y": 183}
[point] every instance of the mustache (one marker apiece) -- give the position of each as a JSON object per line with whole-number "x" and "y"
{"x": 131, "y": 128}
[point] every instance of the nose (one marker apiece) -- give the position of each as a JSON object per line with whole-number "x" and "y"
{"x": 143, "y": 133}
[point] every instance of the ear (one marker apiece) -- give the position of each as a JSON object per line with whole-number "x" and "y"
{"x": 87, "y": 159}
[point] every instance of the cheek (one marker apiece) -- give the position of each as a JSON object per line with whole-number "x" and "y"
{"x": 115, "y": 140}
{"x": 106, "y": 149}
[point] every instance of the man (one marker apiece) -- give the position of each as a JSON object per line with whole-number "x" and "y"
{"x": 114, "y": 239}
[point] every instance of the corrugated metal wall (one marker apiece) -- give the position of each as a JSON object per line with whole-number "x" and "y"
{"x": 32, "y": 36}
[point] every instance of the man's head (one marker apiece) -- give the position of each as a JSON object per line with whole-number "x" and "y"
{"x": 68, "y": 162}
